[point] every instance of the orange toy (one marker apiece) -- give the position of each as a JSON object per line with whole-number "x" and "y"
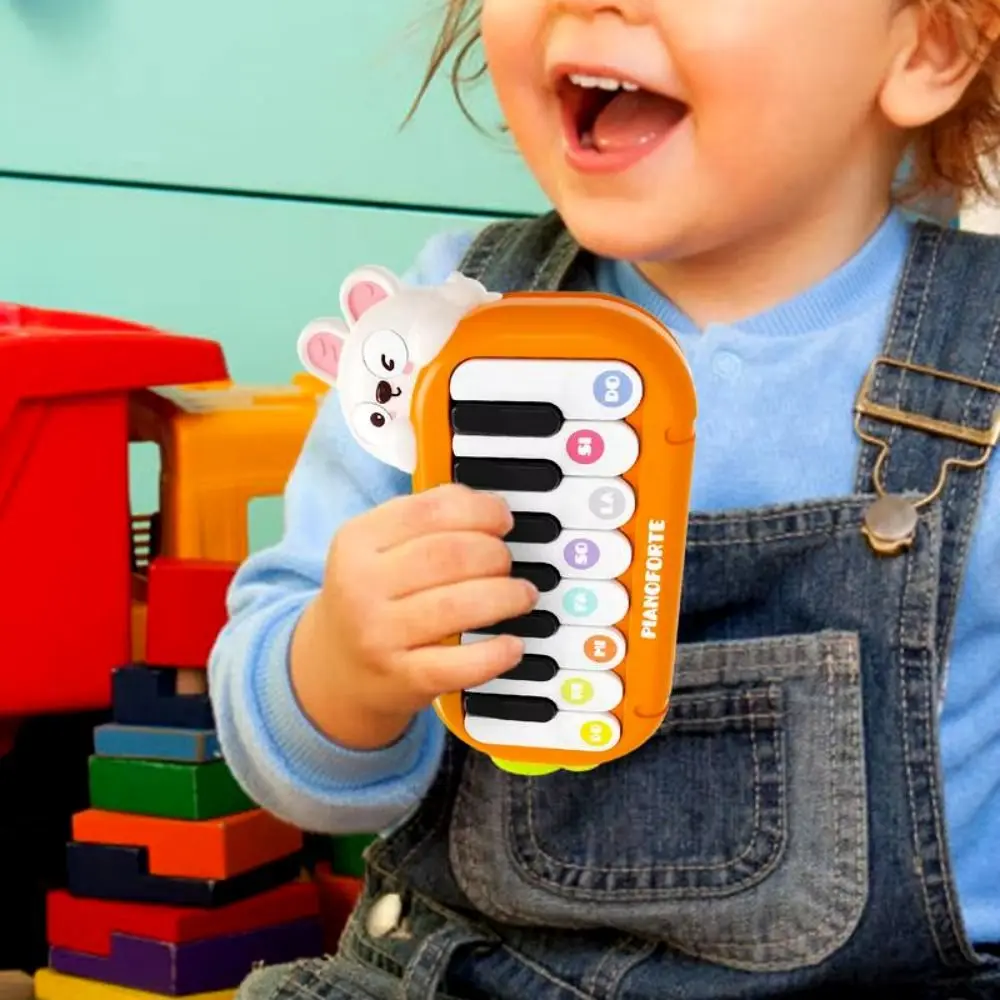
{"x": 613, "y": 332}
{"x": 579, "y": 410}
{"x": 205, "y": 849}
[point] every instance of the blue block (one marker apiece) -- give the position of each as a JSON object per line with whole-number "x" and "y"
{"x": 185, "y": 746}
{"x": 147, "y": 696}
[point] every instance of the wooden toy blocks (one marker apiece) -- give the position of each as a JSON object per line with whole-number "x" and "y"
{"x": 215, "y": 963}
{"x": 187, "y": 610}
{"x": 183, "y": 746}
{"x": 163, "y": 788}
{"x": 104, "y": 871}
{"x": 209, "y": 849}
{"x": 147, "y": 696}
{"x": 52, "y": 985}
{"x": 86, "y": 925}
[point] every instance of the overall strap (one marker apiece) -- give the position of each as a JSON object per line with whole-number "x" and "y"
{"x": 529, "y": 255}
{"x": 932, "y": 399}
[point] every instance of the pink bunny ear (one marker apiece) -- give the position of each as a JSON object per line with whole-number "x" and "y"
{"x": 321, "y": 346}
{"x": 364, "y": 288}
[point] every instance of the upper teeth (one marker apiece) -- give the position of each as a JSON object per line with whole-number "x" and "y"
{"x": 604, "y": 82}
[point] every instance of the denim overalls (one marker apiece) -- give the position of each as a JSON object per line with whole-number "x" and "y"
{"x": 783, "y": 835}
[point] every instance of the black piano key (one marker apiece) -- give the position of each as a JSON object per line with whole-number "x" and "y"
{"x": 528, "y": 475}
{"x": 506, "y": 419}
{"x": 533, "y": 667}
{"x": 510, "y": 707}
{"x": 534, "y": 529}
{"x": 543, "y": 576}
{"x": 534, "y": 625}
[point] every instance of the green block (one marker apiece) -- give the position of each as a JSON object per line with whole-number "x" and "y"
{"x": 164, "y": 788}
{"x": 347, "y": 854}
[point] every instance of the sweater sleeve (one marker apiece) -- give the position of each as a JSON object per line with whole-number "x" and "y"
{"x": 279, "y": 757}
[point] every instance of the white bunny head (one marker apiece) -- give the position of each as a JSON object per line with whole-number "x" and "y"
{"x": 391, "y": 331}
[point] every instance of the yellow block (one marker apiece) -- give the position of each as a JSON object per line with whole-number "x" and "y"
{"x": 51, "y": 985}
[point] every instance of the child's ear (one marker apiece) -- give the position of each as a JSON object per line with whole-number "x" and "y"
{"x": 321, "y": 346}
{"x": 365, "y": 287}
{"x": 938, "y": 52}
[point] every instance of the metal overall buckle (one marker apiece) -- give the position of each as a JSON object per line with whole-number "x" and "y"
{"x": 890, "y": 523}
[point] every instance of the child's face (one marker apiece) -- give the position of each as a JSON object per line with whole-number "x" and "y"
{"x": 751, "y": 113}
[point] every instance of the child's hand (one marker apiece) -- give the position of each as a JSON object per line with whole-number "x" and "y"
{"x": 401, "y": 578}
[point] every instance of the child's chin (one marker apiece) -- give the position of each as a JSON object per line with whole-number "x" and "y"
{"x": 625, "y": 231}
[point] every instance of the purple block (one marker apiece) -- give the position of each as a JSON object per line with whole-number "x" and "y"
{"x": 220, "y": 963}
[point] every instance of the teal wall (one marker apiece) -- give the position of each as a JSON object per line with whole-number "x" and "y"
{"x": 216, "y": 168}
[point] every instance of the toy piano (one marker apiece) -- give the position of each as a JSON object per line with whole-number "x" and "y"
{"x": 579, "y": 410}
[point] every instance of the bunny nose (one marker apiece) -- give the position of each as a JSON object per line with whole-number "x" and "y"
{"x": 383, "y": 393}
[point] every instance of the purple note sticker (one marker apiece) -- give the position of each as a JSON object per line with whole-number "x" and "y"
{"x": 581, "y": 553}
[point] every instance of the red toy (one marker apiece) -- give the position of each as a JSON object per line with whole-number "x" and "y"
{"x": 187, "y": 609}
{"x": 65, "y": 381}
{"x": 90, "y": 586}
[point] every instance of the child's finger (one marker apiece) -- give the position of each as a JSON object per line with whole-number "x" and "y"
{"x": 446, "y": 508}
{"x": 426, "y": 618}
{"x": 438, "y": 560}
{"x": 438, "y": 670}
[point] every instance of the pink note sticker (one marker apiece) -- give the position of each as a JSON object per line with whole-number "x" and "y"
{"x": 585, "y": 447}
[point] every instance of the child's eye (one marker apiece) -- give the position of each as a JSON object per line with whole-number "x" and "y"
{"x": 368, "y": 419}
{"x": 385, "y": 353}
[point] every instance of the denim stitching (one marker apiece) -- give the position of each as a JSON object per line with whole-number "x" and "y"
{"x": 868, "y": 452}
{"x": 737, "y": 949}
{"x": 787, "y": 536}
{"x": 755, "y": 835}
{"x": 440, "y": 823}
{"x": 914, "y": 334}
{"x": 910, "y": 777}
{"x": 632, "y": 951}
{"x": 551, "y": 977}
{"x": 422, "y": 961}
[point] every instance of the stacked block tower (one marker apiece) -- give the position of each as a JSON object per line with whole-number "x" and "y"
{"x": 177, "y": 884}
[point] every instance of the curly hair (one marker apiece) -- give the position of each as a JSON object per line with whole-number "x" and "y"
{"x": 952, "y": 157}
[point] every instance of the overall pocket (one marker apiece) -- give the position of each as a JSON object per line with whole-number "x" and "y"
{"x": 737, "y": 834}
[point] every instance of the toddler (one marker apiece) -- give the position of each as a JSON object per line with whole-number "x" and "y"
{"x": 820, "y": 810}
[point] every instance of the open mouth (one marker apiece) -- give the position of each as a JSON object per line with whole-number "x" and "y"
{"x": 606, "y": 115}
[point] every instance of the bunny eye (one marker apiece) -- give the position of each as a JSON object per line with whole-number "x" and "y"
{"x": 385, "y": 354}
{"x": 368, "y": 419}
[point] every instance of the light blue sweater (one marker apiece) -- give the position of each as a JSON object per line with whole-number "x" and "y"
{"x": 756, "y": 381}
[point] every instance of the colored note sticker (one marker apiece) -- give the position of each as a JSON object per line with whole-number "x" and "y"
{"x": 585, "y": 447}
{"x": 607, "y": 503}
{"x": 577, "y": 691}
{"x": 612, "y": 388}
{"x": 597, "y": 733}
{"x": 580, "y": 602}
{"x": 581, "y": 553}
{"x": 600, "y": 648}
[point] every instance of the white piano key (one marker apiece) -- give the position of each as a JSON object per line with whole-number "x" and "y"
{"x": 569, "y": 690}
{"x": 582, "y": 389}
{"x": 586, "y": 602}
{"x": 565, "y": 731}
{"x": 580, "y": 555}
{"x": 573, "y": 647}
{"x": 593, "y": 449}
{"x": 578, "y": 502}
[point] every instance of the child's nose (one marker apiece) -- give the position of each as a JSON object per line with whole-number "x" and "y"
{"x": 629, "y": 10}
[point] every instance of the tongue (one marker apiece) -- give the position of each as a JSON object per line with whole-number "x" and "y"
{"x": 634, "y": 118}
